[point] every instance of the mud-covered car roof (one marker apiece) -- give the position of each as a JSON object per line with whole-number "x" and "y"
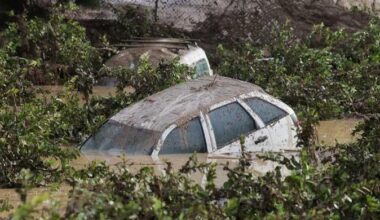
{"x": 178, "y": 103}
{"x": 137, "y": 128}
{"x": 156, "y": 49}
{"x": 130, "y": 57}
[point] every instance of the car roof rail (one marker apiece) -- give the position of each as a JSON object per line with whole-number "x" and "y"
{"x": 170, "y": 43}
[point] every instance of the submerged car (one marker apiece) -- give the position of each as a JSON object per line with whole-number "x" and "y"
{"x": 205, "y": 115}
{"x": 156, "y": 50}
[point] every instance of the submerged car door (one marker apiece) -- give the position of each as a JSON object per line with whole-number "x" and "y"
{"x": 231, "y": 121}
{"x": 277, "y": 122}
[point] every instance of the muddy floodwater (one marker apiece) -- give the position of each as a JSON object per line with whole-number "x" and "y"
{"x": 103, "y": 91}
{"x": 336, "y": 131}
{"x": 100, "y": 91}
{"x": 328, "y": 133}
{"x": 135, "y": 163}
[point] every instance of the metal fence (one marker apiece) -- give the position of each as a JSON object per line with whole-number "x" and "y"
{"x": 239, "y": 18}
{"x": 248, "y": 19}
{"x": 187, "y": 13}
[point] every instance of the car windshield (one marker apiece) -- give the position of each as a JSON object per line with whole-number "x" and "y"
{"x": 118, "y": 137}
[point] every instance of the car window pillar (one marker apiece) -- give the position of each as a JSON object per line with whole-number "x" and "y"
{"x": 259, "y": 122}
{"x": 207, "y": 133}
{"x": 213, "y": 146}
{"x": 205, "y": 129}
{"x": 161, "y": 141}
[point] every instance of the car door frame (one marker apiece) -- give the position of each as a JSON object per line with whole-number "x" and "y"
{"x": 207, "y": 128}
{"x": 206, "y": 134}
{"x": 292, "y": 139}
{"x": 259, "y": 123}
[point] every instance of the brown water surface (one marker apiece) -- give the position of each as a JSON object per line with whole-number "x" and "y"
{"x": 60, "y": 194}
{"x": 337, "y": 131}
{"x": 101, "y": 91}
{"x": 134, "y": 164}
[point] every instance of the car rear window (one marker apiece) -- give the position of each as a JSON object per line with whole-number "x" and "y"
{"x": 268, "y": 112}
{"x": 229, "y": 122}
{"x": 188, "y": 138}
{"x": 201, "y": 68}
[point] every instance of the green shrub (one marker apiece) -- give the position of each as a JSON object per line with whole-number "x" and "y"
{"x": 329, "y": 74}
{"x": 332, "y": 72}
{"x": 27, "y": 142}
{"x": 33, "y": 129}
{"x": 60, "y": 46}
{"x": 345, "y": 184}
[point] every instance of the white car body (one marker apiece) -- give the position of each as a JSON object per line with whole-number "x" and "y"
{"x": 205, "y": 115}
{"x": 158, "y": 49}
{"x": 280, "y": 135}
{"x": 196, "y": 58}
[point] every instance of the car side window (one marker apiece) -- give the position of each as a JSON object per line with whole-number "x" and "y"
{"x": 188, "y": 138}
{"x": 201, "y": 68}
{"x": 229, "y": 122}
{"x": 268, "y": 112}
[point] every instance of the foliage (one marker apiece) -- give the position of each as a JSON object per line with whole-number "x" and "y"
{"x": 28, "y": 142}
{"x": 36, "y": 208}
{"x": 141, "y": 195}
{"x": 5, "y": 205}
{"x": 332, "y": 73}
{"x": 35, "y": 126}
{"x": 34, "y": 129}
{"x": 59, "y": 46}
{"x": 344, "y": 185}
{"x": 147, "y": 79}
{"x": 14, "y": 88}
